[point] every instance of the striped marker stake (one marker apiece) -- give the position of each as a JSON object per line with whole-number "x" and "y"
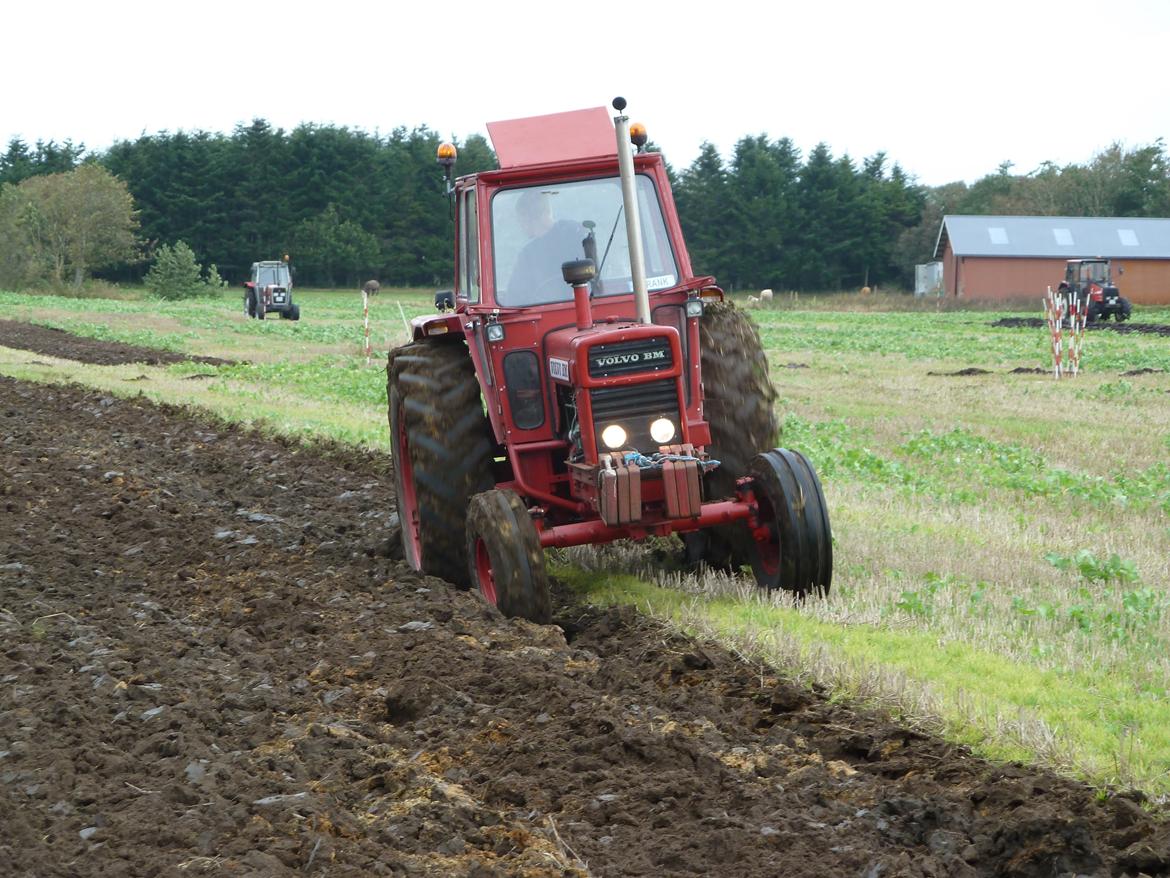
{"x": 1052, "y": 317}
{"x": 369, "y": 288}
{"x": 1066, "y": 353}
{"x": 366, "y": 322}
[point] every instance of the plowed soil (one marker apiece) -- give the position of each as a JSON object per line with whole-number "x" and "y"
{"x": 58, "y": 343}
{"x": 211, "y": 663}
{"x": 1096, "y": 326}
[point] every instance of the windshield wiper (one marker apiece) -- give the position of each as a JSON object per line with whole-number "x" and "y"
{"x": 612, "y": 231}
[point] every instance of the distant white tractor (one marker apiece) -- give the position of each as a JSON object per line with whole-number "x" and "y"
{"x": 270, "y": 290}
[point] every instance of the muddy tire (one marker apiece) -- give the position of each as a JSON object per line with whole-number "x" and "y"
{"x": 505, "y": 559}
{"x": 794, "y": 547}
{"x": 442, "y": 449}
{"x": 738, "y": 404}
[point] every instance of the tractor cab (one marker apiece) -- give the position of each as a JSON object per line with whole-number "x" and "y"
{"x": 578, "y": 373}
{"x": 1083, "y": 273}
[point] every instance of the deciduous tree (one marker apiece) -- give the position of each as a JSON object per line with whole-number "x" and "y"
{"x": 67, "y": 225}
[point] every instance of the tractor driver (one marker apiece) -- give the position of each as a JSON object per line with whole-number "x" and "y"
{"x": 537, "y": 275}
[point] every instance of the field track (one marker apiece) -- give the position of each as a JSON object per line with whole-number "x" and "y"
{"x": 211, "y": 663}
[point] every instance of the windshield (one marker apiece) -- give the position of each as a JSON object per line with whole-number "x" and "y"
{"x": 272, "y": 275}
{"x": 537, "y": 228}
{"x": 1097, "y": 272}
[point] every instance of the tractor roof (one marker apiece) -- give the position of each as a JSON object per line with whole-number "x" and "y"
{"x": 558, "y": 137}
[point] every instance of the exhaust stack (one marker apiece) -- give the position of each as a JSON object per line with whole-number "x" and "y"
{"x": 630, "y": 200}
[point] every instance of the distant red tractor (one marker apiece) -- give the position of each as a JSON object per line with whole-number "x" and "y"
{"x": 580, "y": 385}
{"x": 1092, "y": 281}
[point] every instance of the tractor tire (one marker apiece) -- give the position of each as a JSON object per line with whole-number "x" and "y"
{"x": 1095, "y": 313}
{"x": 260, "y": 309}
{"x": 505, "y": 558}
{"x": 1124, "y": 309}
{"x": 294, "y": 312}
{"x": 250, "y": 303}
{"x": 442, "y": 448}
{"x": 794, "y": 548}
{"x": 738, "y": 399}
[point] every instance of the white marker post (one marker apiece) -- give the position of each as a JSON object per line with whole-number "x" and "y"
{"x": 368, "y": 289}
{"x": 366, "y": 322}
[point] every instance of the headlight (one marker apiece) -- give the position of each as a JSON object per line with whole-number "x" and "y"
{"x": 694, "y": 307}
{"x": 662, "y": 431}
{"x": 614, "y": 436}
{"x": 495, "y": 332}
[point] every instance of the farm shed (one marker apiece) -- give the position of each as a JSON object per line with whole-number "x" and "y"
{"x": 1017, "y": 257}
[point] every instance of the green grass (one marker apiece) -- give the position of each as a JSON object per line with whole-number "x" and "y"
{"x": 1001, "y": 540}
{"x": 988, "y": 701}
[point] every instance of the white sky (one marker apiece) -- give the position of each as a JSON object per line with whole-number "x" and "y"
{"x": 947, "y": 89}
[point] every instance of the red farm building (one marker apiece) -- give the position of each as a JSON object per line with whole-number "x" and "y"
{"x": 1018, "y": 257}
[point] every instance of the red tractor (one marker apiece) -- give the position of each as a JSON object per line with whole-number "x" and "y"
{"x": 580, "y": 384}
{"x": 1091, "y": 280}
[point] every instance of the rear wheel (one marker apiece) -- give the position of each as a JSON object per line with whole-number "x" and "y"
{"x": 505, "y": 558}
{"x": 250, "y": 303}
{"x": 1124, "y": 309}
{"x": 1095, "y": 312}
{"x": 442, "y": 448}
{"x": 738, "y": 399}
{"x": 793, "y": 546}
{"x": 294, "y": 312}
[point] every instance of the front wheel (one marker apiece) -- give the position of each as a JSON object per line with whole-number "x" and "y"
{"x": 505, "y": 558}
{"x": 793, "y": 544}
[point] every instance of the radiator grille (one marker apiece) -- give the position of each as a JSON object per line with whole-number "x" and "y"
{"x": 634, "y": 407}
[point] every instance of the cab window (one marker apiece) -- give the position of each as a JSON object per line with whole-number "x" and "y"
{"x": 536, "y": 229}
{"x": 469, "y": 247}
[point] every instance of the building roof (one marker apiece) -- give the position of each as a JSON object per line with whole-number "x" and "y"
{"x": 1055, "y": 237}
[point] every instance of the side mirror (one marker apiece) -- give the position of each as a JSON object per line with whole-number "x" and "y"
{"x": 445, "y": 300}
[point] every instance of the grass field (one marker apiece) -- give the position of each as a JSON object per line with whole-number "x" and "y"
{"x": 1002, "y": 540}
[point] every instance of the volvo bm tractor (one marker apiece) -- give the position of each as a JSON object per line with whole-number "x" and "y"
{"x": 581, "y": 385}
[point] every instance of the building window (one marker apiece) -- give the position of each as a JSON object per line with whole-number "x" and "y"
{"x": 1063, "y": 237}
{"x": 1128, "y": 237}
{"x": 998, "y": 234}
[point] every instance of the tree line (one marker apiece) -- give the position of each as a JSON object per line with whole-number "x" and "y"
{"x": 348, "y": 205}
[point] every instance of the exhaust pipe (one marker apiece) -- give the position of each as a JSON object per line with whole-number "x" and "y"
{"x": 577, "y": 274}
{"x": 621, "y": 124}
